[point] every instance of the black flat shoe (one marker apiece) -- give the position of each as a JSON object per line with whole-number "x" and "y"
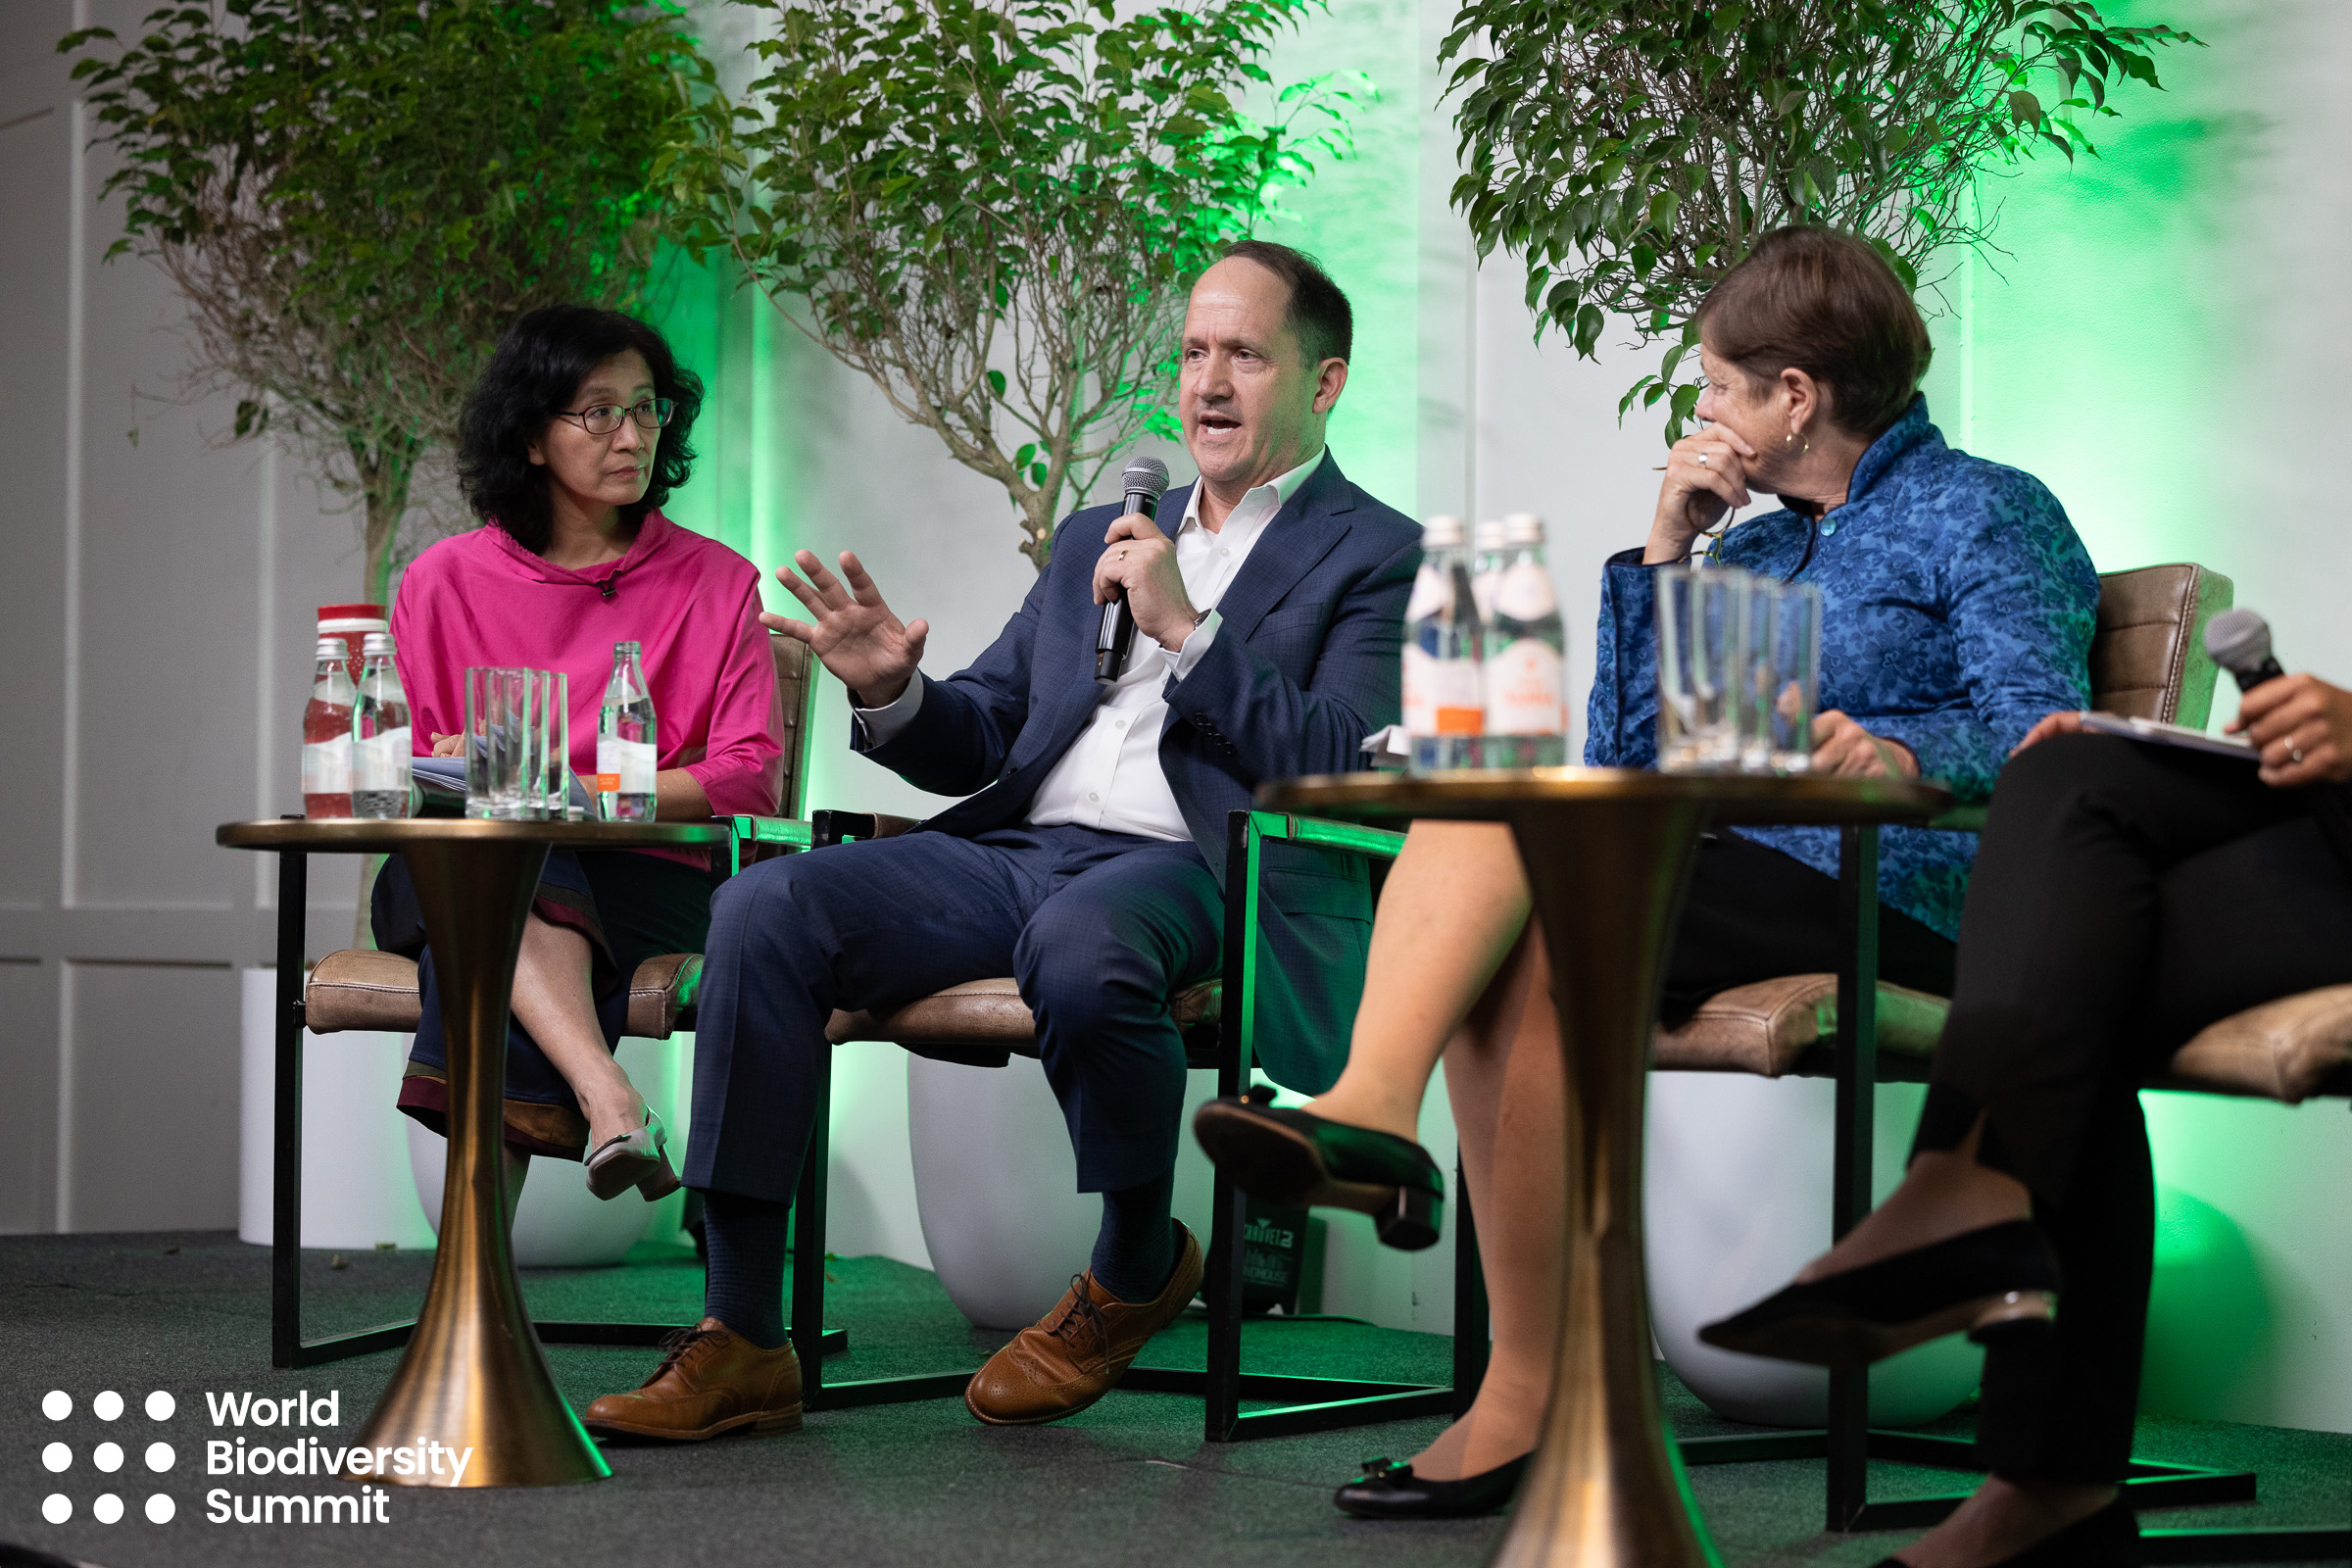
{"x": 1298, "y": 1159}
{"x": 2108, "y": 1539}
{"x": 1999, "y": 1284}
{"x": 1389, "y": 1491}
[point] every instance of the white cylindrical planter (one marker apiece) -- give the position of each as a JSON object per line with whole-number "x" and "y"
{"x": 355, "y": 1190}
{"x": 559, "y": 1223}
{"x": 996, "y": 1186}
{"x": 1737, "y": 1199}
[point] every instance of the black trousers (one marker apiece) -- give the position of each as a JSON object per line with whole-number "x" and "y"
{"x": 2123, "y": 897}
{"x": 1754, "y": 914}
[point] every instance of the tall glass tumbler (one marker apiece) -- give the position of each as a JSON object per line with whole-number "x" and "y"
{"x": 1702, "y": 653}
{"x": 1793, "y": 685}
{"x": 498, "y": 709}
{"x": 550, "y": 790}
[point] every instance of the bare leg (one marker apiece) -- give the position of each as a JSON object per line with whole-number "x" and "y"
{"x": 553, "y": 1001}
{"x": 1943, "y": 1194}
{"x": 517, "y": 1168}
{"x": 1507, "y": 1081}
{"x": 1456, "y": 900}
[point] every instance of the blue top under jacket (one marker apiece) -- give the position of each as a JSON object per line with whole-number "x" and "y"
{"x": 1957, "y": 609}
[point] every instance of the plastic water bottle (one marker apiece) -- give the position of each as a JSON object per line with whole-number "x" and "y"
{"x": 1442, "y": 710}
{"x": 380, "y": 756}
{"x": 625, "y": 742}
{"x": 1526, "y": 656}
{"x": 327, "y": 733}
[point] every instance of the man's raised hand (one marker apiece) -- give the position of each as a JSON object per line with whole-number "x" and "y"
{"x": 852, "y": 631}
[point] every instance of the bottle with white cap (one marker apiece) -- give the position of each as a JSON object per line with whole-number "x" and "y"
{"x": 380, "y": 755}
{"x": 1442, "y": 711}
{"x": 1526, "y": 656}
{"x": 326, "y": 733}
{"x": 625, "y": 741}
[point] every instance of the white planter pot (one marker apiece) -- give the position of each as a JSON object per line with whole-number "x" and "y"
{"x": 559, "y": 1223}
{"x": 996, "y": 1186}
{"x": 355, "y": 1190}
{"x": 1737, "y": 1199}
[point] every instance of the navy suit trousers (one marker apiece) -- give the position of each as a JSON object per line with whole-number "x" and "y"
{"x": 1100, "y": 929}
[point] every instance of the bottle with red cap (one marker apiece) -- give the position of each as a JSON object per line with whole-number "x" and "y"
{"x": 353, "y": 623}
{"x": 327, "y": 733}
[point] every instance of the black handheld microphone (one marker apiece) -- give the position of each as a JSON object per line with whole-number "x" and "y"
{"x": 2239, "y": 641}
{"x": 1146, "y": 481}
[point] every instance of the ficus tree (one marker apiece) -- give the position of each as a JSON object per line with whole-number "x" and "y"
{"x": 356, "y": 197}
{"x": 992, "y": 208}
{"x": 1630, "y": 152}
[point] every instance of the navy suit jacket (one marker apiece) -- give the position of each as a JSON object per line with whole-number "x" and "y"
{"x": 1305, "y": 664}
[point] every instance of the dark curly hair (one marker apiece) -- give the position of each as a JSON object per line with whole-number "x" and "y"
{"x": 538, "y": 366}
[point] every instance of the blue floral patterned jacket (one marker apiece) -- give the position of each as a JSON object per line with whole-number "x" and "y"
{"x": 1957, "y": 608}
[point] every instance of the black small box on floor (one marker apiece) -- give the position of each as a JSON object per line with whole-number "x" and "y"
{"x": 1273, "y": 1257}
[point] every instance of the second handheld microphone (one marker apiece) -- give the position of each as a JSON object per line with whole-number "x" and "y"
{"x": 1146, "y": 481}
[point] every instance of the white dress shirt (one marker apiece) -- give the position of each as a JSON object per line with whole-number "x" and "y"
{"x": 1111, "y": 777}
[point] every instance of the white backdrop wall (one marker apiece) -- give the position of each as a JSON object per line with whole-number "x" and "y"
{"x": 2146, "y": 342}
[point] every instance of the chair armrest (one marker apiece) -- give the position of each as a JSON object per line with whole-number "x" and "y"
{"x": 1959, "y": 819}
{"x": 842, "y": 828}
{"x": 789, "y": 832}
{"x": 1351, "y": 838}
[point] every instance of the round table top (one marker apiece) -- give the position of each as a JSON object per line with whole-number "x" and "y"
{"x": 345, "y": 835}
{"x": 1733, "y": 799}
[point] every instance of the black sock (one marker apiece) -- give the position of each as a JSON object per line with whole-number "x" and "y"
{"x": 1135, "y": 1252}
{"x": 744, "y": 1288}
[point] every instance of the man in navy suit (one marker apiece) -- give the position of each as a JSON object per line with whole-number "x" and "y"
{"x": 1087, "y": 860}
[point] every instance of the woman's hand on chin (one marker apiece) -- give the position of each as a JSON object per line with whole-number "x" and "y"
{"x": 1706, "y": 477}
{"x": 2303, "y": 729}
{"x": 1844, "y": 749}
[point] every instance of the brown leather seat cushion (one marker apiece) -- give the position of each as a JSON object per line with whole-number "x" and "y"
{"x": 358, "y": 988}
{"x": 976, "y": 1020}
{"x": 1764, "y": 1028}
{"x": 2288, "y": 1050}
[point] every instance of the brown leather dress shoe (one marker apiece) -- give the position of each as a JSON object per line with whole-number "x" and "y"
{"x": 1077, "y": 1352}
{"x": 712, "y": 1380}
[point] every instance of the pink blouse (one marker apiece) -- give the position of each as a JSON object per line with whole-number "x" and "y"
{"x": 480, "y": 599}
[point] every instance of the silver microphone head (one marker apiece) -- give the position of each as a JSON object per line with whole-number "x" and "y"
{"x": 1147, "y": 476}
{"x": 2239, "y": 640}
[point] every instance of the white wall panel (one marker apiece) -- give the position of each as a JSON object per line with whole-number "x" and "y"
{"x": 148, "y": 1095}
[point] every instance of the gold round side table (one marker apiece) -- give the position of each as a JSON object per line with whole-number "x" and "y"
{"x": 473, "y": 1375}
{"x": 1606, "y": 853}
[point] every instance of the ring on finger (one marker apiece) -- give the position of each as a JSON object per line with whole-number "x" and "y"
{"x": 1702, "y": 460}
{"x": 2294, "y": 753}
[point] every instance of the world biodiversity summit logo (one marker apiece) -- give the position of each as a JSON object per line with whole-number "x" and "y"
{"x": 273, "y": 1437}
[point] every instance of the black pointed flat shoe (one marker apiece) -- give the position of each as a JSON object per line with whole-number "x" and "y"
{"x": 1297, "y": 1158}
{"x": 2108, "y": 1539}
{"x": 1390, "y": 1490}
{"x": 1998, "y": 1283}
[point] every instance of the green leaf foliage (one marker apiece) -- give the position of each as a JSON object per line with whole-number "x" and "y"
{"x": 357, "y": 197}
{"x": 1630, "y": 152}
{"x": 993, "y": 208}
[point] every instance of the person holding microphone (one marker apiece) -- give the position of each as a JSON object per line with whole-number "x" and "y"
{"x": 2125, "y": 895}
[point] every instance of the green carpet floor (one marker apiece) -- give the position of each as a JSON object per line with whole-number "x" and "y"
{"x": 919, "y": 1484}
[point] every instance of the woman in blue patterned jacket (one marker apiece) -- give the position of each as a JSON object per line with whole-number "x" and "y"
{"x": 1957, "y": 610}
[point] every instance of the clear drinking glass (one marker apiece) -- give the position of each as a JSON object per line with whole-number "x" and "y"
{"x": 551, "y": 777}
{"x": 1792, "y": 684}
{"x": 498, "y": 715}
{"x": 1703, "y": 654}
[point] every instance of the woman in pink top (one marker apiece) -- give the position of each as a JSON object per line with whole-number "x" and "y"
{"x": 575, "y": 438}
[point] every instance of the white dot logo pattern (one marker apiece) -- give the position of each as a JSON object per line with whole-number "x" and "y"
{"x": 159, "y": 1510}
{"x": 160, "y": 1406}
{"x": 57, "y": 1405}
{"x": 159, "y": 1457}
{"x": 108, "y": 1407}
{"x": 56, "y": 1457}
{"x": 108, "y": 1509}
{"x": 57, "y": 1507}
{"x": 107, "y": 1456}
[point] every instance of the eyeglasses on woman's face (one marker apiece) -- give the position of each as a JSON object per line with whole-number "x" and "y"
{"x": 651, "y": 414}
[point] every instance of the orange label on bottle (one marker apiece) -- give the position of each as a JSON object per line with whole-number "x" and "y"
{"x": 1462, "y": 720}
{"x": 608, "y": 783}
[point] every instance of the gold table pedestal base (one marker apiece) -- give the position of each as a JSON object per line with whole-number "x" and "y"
{"x": 473, "y": 1377}
{"x": 1605, "y": 1489}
